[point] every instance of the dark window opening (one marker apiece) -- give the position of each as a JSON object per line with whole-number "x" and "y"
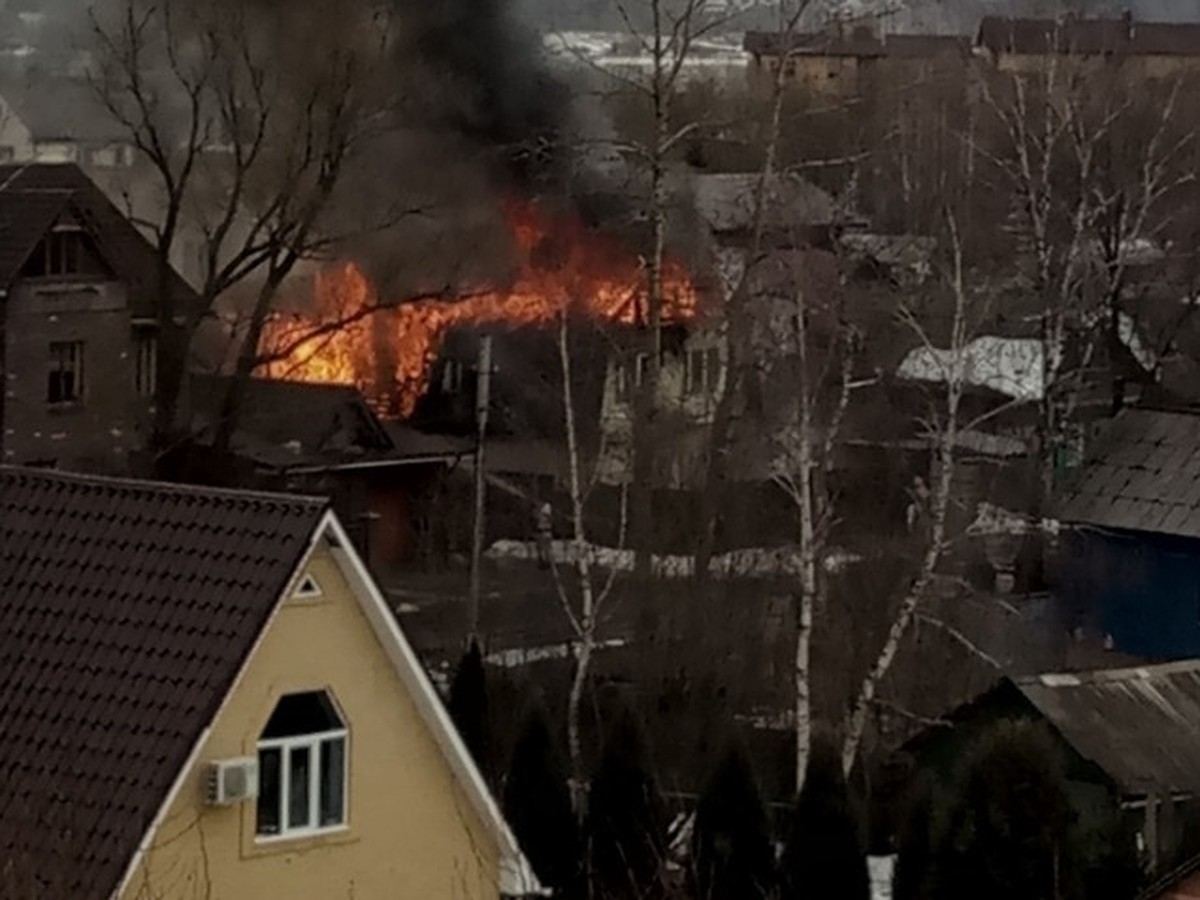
{"x": 145, "y": 363}
{"x": 64, "y": 382}
{"x": 299, "y": 714}
{"x": 66, "y": 251}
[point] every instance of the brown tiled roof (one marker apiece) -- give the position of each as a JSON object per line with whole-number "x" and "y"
{"x": 128, "y": 609}
{"x": 1143, "y": 474}
{"x": 999, "y": 34}
{"x": 33, "y": 195}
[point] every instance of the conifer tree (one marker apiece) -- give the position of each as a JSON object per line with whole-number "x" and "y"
{"x": 469, "y": 707}
{"x": 914, "y": 859}
{"x": 1006, "y": 828}
{"x": 537, "y": 803}
{"x": 625, "y": 822}
{"x": 732, "y": 857}
{"x": 824, "y": 857}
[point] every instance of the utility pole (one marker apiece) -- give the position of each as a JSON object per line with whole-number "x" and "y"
{"x": 483, "y": 385}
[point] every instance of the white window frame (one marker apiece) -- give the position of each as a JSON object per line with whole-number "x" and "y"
{"x": 312, "y": 742}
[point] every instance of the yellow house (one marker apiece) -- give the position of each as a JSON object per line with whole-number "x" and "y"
{"x": 203, "y": 694}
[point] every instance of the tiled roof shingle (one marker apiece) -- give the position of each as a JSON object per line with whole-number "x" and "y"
{"x": 1143, "y": 474}
{"x": 128, "y": 608}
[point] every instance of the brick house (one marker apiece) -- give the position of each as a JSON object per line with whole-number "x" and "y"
{"x": 78, "y": 328}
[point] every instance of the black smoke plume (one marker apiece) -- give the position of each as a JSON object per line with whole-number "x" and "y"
{"x": 483, "y": 76}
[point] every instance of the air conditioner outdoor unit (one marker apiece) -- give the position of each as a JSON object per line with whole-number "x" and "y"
{"x": 231, "y": 781}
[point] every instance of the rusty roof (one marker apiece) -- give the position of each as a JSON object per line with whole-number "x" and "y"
{"x": 1142, "y": 474}
{"x": 1088, "y": 37}
{"x": 129, "y": 607}
{"x": 1137, "y": 724}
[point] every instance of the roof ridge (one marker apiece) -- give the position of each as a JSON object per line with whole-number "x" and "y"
{"x": 330, "y": 386}
{"x": 1093, "y": 676}
{"x": 153, "y": 486}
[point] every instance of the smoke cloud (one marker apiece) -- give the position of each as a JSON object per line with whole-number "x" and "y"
{"x": 482, "y": 75}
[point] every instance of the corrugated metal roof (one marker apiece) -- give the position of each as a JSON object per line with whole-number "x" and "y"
{"x": 1143, "y": 474}
{"x": 1139, "y": 725}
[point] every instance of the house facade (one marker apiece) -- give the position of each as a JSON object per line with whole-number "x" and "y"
{"x": 1131, "y": 535}
{"x": 229, "y": 708}
{"x": 78, "y": 323}
{"x": 854, "y": 58}
{"x": 1142, "y": 50}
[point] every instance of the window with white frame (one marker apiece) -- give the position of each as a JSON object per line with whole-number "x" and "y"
{"x": 302, "y": 768}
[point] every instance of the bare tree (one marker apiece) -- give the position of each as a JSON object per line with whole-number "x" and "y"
{"x": 246, "y": 134}
{"x": 584, "y": 604}
{"x": 942, "y": 429}
{"x": 1093, "y": 172}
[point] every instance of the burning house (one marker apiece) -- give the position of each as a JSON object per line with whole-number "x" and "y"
{"x": 417, "y": 359}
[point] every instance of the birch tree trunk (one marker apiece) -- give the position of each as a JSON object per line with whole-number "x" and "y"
{"x": 585, "y": 621}
{"x": 954, "y": 373}
{"x": 808, "y": 555}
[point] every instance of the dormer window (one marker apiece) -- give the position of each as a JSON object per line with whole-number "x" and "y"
{"x": 67, "y": 250}
{"x": 302, "y": 768}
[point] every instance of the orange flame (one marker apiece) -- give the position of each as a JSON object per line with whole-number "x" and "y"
{"x": 387, "y": 352}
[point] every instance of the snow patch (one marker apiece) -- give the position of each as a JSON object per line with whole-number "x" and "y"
{"x": 1010, "y": 366}
{"x": 749, "y": 562}
{"x": 882, "y": 869}
{"x": 992, "y": 519}
{"x": 523, "y": 656}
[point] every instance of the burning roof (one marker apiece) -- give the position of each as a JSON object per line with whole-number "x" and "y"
{"x": 352, "y": 335}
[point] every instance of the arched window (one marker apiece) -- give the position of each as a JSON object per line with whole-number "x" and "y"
{"x": 302, "y": 767}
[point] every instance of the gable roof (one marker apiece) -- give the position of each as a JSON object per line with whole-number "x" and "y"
{"x": 1088, "y": 37}
{"x": 318, "y": 420}
{"x": 1138, "y": 724}
{"x": 34, "y": 195}
{"x": 129, "y": 608}
{"x": 1142, "y": 474}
